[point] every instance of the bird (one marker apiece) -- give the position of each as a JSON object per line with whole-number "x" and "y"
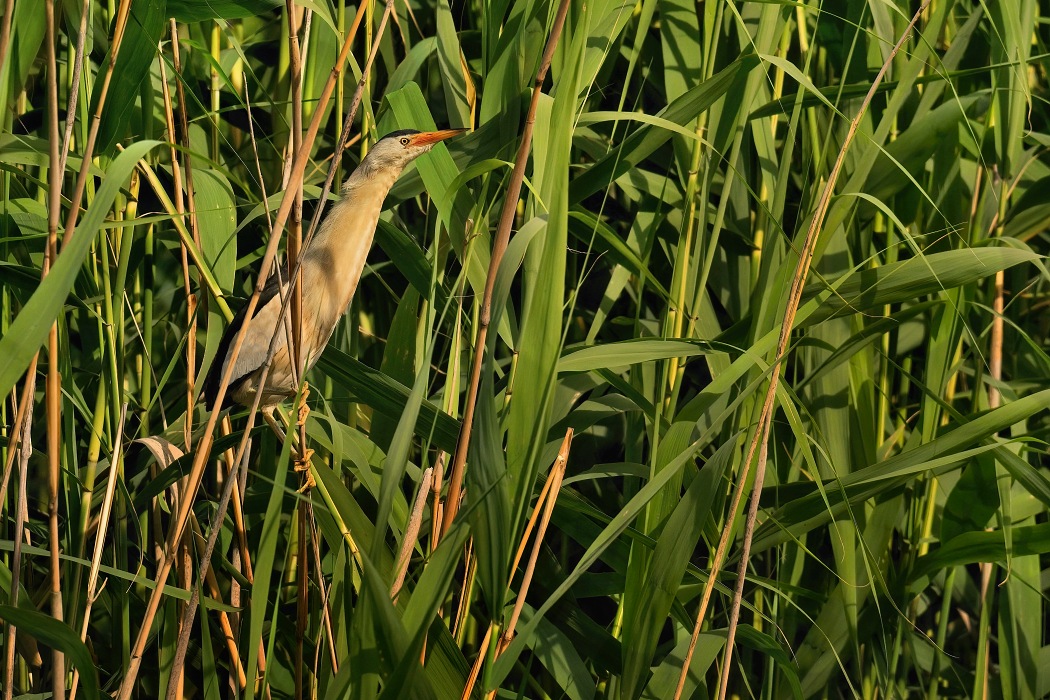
{"x": 330, "y": 270}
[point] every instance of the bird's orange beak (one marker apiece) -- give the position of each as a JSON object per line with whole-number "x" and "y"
{"x": 430, "y": 137}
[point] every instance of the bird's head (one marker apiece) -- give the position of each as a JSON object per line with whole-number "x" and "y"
{"x": 397, "y": 149}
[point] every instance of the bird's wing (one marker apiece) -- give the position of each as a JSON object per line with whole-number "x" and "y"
{"x": 253, "y": 349}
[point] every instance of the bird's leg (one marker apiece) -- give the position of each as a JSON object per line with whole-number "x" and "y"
{"x": 302, "y": 461}
{"x": 267, "y": 412}
{"x": 303, "y": 456}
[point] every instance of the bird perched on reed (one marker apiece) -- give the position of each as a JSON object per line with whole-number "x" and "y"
{"x": 331, "y": 268}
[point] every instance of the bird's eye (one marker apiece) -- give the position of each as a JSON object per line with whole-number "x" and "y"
{"x": 405, "y": 140}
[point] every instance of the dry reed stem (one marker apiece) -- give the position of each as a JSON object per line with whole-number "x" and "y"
{"x": 238, "y": 504}
{"x": 760, "y": 441}
{"x": 224, "y": 619}
{"x": 302, "y": 585}
{"x": 995, "y": 360}
{"x": 995, "y": 371}
{"x": 100, "y": 536}
{"x": 541, "y": 514}
{"x": 187, "y": 161}
{"x": 180, "y": 211}
{"x": 534, "y": 517}
{"x": 176, "y": 168}
{"x": 475, "y": 670}
{"x": 292, "y": 252}
{"x": 190, "y": 611}
{"x": 295, "y": 226}
{"x": 554, "y": 480}
{"x": 499, "y": 247}
{"x": 24, "y": 405}
{"x": 408, "y": 542}
{"x": 238, "y": 518}
{"x": 53, "y": 394}
{"x": 25, "y": 451}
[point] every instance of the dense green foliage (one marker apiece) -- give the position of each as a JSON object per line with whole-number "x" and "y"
{"x": 902, "y": 546}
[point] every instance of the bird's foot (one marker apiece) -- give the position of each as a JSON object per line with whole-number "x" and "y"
{"x": 302, "y": 462}
{"x": 302, "y": 465}
{"x": 304, "y": 408}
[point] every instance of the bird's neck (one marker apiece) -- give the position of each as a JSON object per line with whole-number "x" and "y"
{"x": 338, "y": 253}
{"x": 368, "y": 184}
{"x": 353, "y": 218}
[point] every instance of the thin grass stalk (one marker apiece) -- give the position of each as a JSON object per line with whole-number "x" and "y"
{"x": 302, "y": 586}
{"x": 240, "y": 529}
{"x": 225, "y": 623}
{"x": 184, "y": 576}
{"x": 239, "y": 526}
{"x": 216, "y": 100}
{"x": 74, "y": 88}
{"x": 89, "y": 146}
{"x": 25, "y": 451}
{"x": 326, "y": 612}
{"x": 348, "y": 122}
{"x": 239, "y": 482}
{"x": 499, "y": 247}
{"x": 23, "y": 407}
{"x": 466, "y": 592}
{"x": 100, "y": 537}
{"x": 981, "y": 676}
{"x": 187, "y": 168}
{"x": 238, "y": 504}
{"x": 674, "y": 321}
{"x": 408, "y": 542}
{"x": 761, "y": 435}
{"x": 942, "y": 634}
{"x": 995, "y": 371}
{"x": 144, "y": 328}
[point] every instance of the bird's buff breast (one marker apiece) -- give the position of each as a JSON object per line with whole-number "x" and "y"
{"x": 331, "y": 273}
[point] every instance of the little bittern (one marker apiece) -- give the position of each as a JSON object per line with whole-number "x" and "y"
{"x": 331, "y": 268}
